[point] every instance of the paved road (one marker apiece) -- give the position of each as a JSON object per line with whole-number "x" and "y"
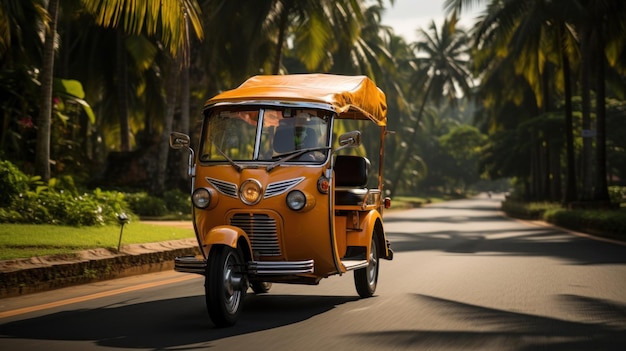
{"x": 464, "y": 278}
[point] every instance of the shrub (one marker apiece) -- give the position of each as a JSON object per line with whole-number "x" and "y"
{"x": 177, "y": 201}
{"x": 28, "y": 200}
{"x": 146, "y": 205}
{"x": 12, "y": 183}
{"x": 606, "y": 222}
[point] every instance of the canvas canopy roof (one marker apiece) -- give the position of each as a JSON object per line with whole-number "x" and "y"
{"x": 345, "y": 94}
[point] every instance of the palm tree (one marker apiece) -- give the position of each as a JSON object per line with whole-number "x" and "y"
{"x": 531, "y": 32}
{"x": 42, "y": 150}
{"x": 442, "y": 70}
{"x": 601, "y": 24}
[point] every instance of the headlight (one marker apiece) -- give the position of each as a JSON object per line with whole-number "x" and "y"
{"x": 250, "y": 192}
{"x": 201, "y": 198}
{"x": 296, "y": 200}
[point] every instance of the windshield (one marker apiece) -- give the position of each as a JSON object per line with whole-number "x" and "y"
{"x": 265, "y": 134}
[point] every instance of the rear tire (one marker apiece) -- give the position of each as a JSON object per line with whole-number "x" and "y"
{"x": 225, "y": 285}
{"x": 366, "y": 279}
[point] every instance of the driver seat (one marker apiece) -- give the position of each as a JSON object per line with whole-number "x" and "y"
{"x": 351, "y": 179}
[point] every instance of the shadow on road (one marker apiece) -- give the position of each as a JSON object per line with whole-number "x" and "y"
{"x": 602, "y": 327}
{"x": 168, "y": 324}
{"x": 452, "y": 227}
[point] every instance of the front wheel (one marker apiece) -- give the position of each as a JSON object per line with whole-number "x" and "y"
{"x": 225, "y": 285}
{"x": 365, "y": 279}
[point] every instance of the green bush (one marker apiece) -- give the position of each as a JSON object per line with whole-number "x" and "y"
{"x": 64, "y": 208}
{"x": 607, "y": 222}
{"x": 28, "y": 200}
{"x": 617, "y": 194}
{"x": 527, "y": 210}
{"x": 12, "y": 183}
{"x": 177, "y": 201}
{"x": 146, "y": 205}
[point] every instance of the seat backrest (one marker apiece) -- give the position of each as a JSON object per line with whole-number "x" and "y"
{"x": 284, "y": 139}
{"x": 351, "y": 171}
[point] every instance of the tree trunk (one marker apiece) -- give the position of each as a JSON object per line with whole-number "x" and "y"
{"x": 570, "y": 178}
{"x": 171, "y": 87}
{"x": 44, "y": 120}
{"x": 601, "y": 192}
{"x": 282, "y": 30}
{"x": 587, "y": 152}
{"x": 122, "y": 92}
{"x": 408, "y": 150}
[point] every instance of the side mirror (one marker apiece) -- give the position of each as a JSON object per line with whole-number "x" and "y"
{"x": 182, "y": 141}
{"x": 350, "y": 139}
{"x": 179, "y": 140}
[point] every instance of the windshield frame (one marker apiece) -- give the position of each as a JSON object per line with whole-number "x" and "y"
{"x": 323, "y": 119}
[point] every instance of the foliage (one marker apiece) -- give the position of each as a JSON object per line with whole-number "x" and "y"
{"x": 28, "y": 200}
{"x": 604, "y": 222}
{"x": 617, "y": 194}
{"x": 172, "y": 201}
{"x": 146, "y": 205}
{"x": 177, "y": 201}
{"x": 527, "y": 210}
{"x": 13, "y": 182}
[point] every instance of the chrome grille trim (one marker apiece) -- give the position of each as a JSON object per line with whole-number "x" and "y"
{"x": 281, "y": 187}
{"x": 226, "y": 188}
{"x": 261, "y": 230}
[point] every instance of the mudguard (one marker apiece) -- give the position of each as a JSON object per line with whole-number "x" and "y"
{"x": 226, "y": 235}
{"x": 363, "y": 237}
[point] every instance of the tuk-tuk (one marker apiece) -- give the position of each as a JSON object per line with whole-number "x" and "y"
{"x": 287, "y": 187}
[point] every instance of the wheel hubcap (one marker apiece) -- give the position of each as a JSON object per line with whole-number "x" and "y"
{"x": 232, "y": 284}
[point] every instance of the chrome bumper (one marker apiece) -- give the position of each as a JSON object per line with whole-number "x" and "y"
{"x": 280, "y": 267}
{"x": 191, "y": 264}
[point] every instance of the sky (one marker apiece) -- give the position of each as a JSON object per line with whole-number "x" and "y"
{"x": 406, "y": 16}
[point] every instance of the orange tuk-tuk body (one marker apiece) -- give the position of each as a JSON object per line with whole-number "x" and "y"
{"x": 287, "y": 187}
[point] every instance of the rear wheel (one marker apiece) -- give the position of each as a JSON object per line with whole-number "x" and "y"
{"x": 225, "y": 285}
{"x": 365, "y": 279}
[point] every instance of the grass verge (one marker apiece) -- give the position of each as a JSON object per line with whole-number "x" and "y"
{"x": 609, "y": 223}
{"x": 30, "y": 240}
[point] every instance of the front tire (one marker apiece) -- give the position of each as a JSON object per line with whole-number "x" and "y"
{"x": 366, "y": 279}
{"x": 225, "y": 285}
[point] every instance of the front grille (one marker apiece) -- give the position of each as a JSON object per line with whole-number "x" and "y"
{"x": 261, "y": 230}
{"x": 223, "y": 187}
{"x": 281, "y": 187}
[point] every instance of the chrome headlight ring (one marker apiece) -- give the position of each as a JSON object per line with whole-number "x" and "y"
{"x": 250, "y": 192}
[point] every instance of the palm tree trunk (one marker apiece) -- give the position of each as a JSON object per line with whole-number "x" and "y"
{"x": 587, "y": 152}
{"x": 601, "y": 192}
{"x": 282, "y": 30}
{"x": 409, "y": 148}
{"x": 171, "y": 87}
{"x": 44, "y": 121}
{"x": 570, "y": 178}
{"x": 122, "y": 92}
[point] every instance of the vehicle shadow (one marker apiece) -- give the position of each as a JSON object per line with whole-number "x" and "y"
{"x": 601, "y": 326}
{"x": 167, "y": 324}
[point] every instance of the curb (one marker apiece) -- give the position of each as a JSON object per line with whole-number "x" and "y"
{"x": 54, "y": 273}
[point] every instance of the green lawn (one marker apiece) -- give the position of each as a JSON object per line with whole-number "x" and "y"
{"x": 29, "y": 240}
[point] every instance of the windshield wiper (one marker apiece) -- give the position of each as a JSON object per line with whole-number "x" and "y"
{"x": 230, "y": 160}
{"x": 293, "y": 154}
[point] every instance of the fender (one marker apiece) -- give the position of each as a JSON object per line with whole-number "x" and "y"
{"x": 226, "y": 235}
{"x": 363, "y": 237}
{"x": 367, "y": 225}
